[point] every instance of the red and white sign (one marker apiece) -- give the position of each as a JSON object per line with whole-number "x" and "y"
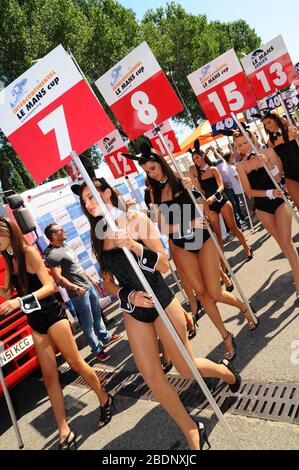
{"x": 169, "y": 136}
{"x": 138, "y": 92}
{"x": 269, "y": 68}
{"x": 221, "y": 87}
{"x": 49, "y": 111}
{"x": 112, "y": 146}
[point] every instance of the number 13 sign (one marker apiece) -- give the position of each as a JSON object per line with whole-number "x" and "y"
{"x": 221, "y": 87}
{"x": 49, "y": 111}
{"x": 138, "y": 92}
{"x": 269, "y": 68}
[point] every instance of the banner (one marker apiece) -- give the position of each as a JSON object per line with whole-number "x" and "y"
{"x": 269, "y": 68}
{"x": 49, "y": 111}
{"x": 138, "y": 92}
{"x": 221, "y": 87}
{"x": 112, "y": 146}
{"x": 169, "y": 136}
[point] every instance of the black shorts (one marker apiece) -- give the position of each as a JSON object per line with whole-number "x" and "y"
{"x": 149, "y": 315}
{"x": 185, "y": 243}
{"x": 41, "y": 320}
{"x": 217, "y": 206}
{"x": 268, "y": 205}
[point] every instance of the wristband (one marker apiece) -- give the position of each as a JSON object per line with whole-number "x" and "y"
{"x": 29, "y": 303}
{"x": 269, "y": 193}
{"x": 148, "y": 260}
{"x": 218, "y": 196}
{"x": 274, "y": 171}
{"x": 124, "y": 295}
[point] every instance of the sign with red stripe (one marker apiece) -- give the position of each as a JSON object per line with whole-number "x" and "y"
{"x": 169, "y": 136}
{"x": 221, "y": 87}
{"x": 269, "y": 68}
{"x": 138, "y": 92}
{"x": 112, "y": 146}
{"x": 49, "y": 111}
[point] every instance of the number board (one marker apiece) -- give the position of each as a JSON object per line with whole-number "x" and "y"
{"x": 49, "y": 111}
{"x": 138, "y": 92}
{"x": 291, "y": 100}
{"x": 221, "y": 87}
{"x": 169, "y": 136}
{"x": 249, "y": 112}
{"x": 225, "y": 125}
{"x": 269, "y": 68}
{"x": 112, "y": 146}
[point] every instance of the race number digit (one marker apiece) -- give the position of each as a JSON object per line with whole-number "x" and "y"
{"x": 56, "y": 121}
{"x": 147, "y": 113}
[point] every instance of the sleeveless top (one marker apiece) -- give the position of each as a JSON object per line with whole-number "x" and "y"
{"x": 289, "y": 155}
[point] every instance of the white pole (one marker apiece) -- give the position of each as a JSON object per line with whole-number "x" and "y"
{"x": 255, "y": 149}
{"x": 11, "y": 410}
{"x": 110, "y": 221}
{"x": 286, "y": 112}
{"x": 212, "y": 235}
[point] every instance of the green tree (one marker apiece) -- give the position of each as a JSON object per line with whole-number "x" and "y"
{"x": 183, "y": 42}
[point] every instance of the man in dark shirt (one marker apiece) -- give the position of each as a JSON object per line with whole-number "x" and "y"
{"x": 68, "y": 273}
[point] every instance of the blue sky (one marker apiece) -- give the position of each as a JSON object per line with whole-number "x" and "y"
{"x": 269, "y": 18}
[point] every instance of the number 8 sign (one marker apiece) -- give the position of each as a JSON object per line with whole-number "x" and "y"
{"x": 269, "y": 68}
{"x": 221, "y": 87}
{"x": 138, "y": 92}
{"x": 49, "y": 111}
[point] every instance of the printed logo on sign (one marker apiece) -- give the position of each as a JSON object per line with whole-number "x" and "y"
{"x": 115, "y": 75}
{"x": 207, "y": 80}
{"x": 18, "y": 92}
{"x": 260, "y": 56}
{"x": 125, "y": 82}
{"x": 109, "y": 143}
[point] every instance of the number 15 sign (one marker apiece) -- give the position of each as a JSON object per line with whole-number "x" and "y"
{"x": 221, "y": 87}
{"x": 49, "y": 111}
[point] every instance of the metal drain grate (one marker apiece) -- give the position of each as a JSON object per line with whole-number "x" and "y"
{"x": 272, "y": 401}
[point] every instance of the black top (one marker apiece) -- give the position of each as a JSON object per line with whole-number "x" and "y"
{"x": 289, "y": 155}
{"x": 33, "y": 285}
{"x": 260, "y": 180}
{"x": 209, "y": 186}
{"x": 116, "y": 262}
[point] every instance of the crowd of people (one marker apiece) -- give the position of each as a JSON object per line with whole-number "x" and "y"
{"x": 219, "y": 186}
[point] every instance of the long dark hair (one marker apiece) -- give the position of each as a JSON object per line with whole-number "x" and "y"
{"x": 8, "y": 228}
{"x": 281, "y": 125}
{"x": 198, "y": 169}
{"x": 150, "y": 155}
{"x": 96, "y": 242}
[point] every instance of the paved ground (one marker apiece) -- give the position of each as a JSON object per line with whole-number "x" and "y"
{"x": 268, "y": 354}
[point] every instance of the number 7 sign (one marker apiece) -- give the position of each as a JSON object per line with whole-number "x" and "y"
{"x": 49, "y": 111}
{"x": 221, "y": 87}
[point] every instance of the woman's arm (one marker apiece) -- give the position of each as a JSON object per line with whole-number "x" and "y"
{"x": 216, "y": 173}
{"x": 136, "y": 298}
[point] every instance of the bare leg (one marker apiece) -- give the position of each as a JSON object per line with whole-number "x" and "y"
{"x": 191, "y": 265}
{"x": 61, "y": 335}
{"x": 143, "y": 342}
{"x": 228, "y": 214}
{"x": 293, "y": 190}
{"x": 48, "y": 364}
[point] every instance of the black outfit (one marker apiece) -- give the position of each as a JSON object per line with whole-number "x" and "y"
{"x": 210, "y": 187}
{"x": 259, "y": 179}
{"x": 289, "y": 155}
{"x": 174, "y": 212}
{"x": 51, "y": 312}
{"x": 115, "y": 261}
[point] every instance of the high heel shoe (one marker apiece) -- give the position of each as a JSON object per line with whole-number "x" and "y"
{"x": 202, "y": 435}
{"x": 230, "y": 288}
{"x": 67, "y": 443}
{"x": 106, "y": 413}
{"x": 192, "y": 333}
{"x": 249, "y": 257}
{"x": 229, "y": 355}
{"x": 167, "y": 366}
{"x": 233, "y": 387}
{"x": 252, "y": 326}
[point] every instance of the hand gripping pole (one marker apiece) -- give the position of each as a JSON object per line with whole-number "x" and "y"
{"x": 110, "y": 221}
{"x": 212, "y": 235}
